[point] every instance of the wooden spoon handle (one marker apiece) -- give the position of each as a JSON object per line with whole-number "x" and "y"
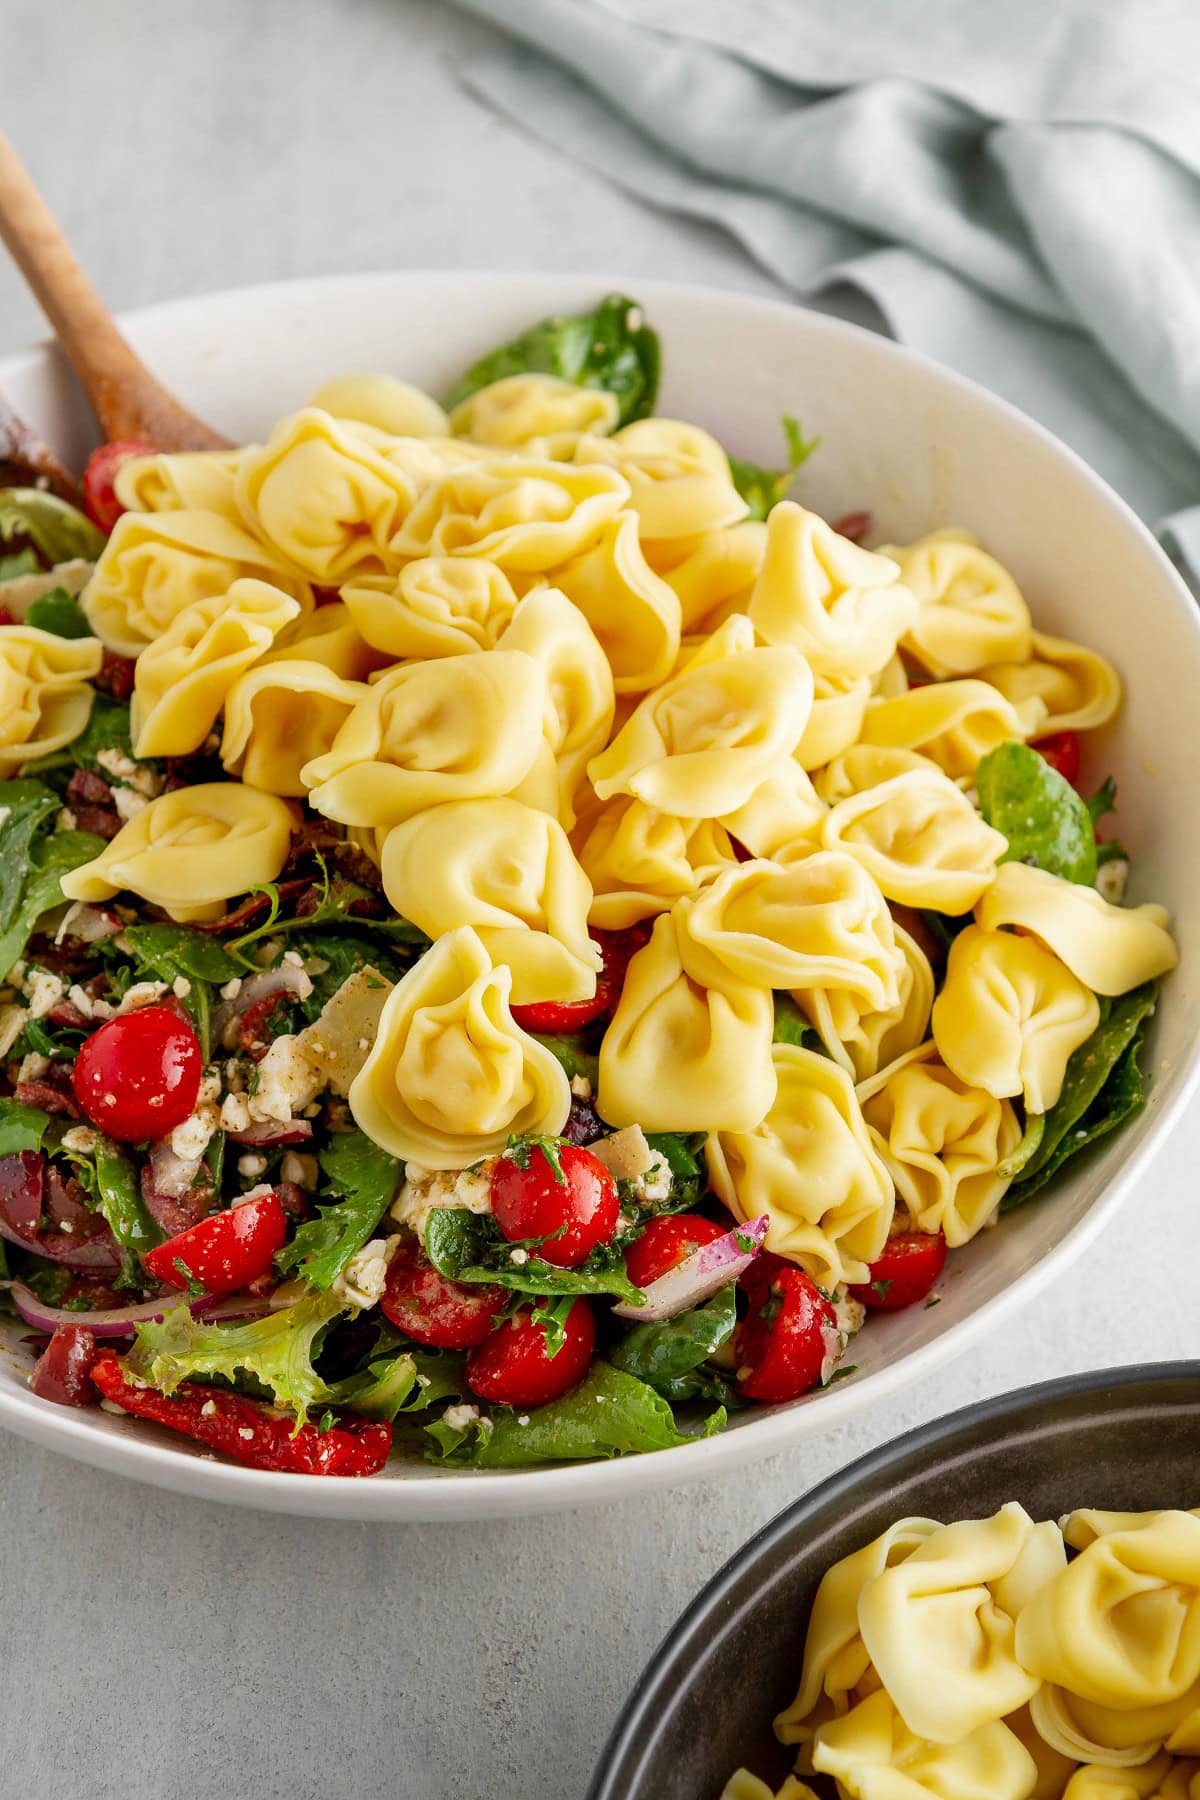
{"x": 125, "y": 397}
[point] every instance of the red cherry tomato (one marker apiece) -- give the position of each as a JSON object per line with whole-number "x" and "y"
{"x": 1061, "y": 751}
{"x": 225, "y": 1252}
{"x": 514, "y": 1366}
{"x": 781, "y": 1345}
{"x": 531, "y": 1198}
{"x": 138, "y": 1076}
{"x": 617, "y": 947}
{"x": 452, "y": 1315}
{"x": 905, "y": 1272}
{"x": 664, "y": 1244}
{"x": 100, "y": 502}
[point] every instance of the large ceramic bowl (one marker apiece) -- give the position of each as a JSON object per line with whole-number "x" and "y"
{"x": 1123, "y": 1439}
{"x": 920, "y": 448}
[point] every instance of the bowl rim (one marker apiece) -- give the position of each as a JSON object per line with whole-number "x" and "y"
{"x": 642, "y": 1712}
{"x": 431, "y": 1494}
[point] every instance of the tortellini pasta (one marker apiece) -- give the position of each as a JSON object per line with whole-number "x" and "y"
{"x": 811, "y": 1167}
{"x": 921, "y": 839}
{"x": 632, "y": 611}
{"x": 456, "y": 729}
{"x": 436, "y": 606}
{"x": 329, "y": 635}
{"x": 678, "y": 1051}
{"x": 451, "y": 1076}
{"x": 510, "y": 873}
{"x": 191, "y": 850}
{"x": 640, "y": 861}
{"x": 155, "y": 564}
{"x": 874, "y": 1756}
{"x": 324, "y": 497}
{"x": 182, "y": 679}
{"x": 838, "y": 710}
{"x": 1109, "y": 948}
{"x": 865, "y": 766}
{"x": 280, "y": 716}
{"x": 783, "y": 816}
{"x": 171, "y": 482}
{"x": 45, "y": 700}
{"x": 955, "y": 723}
{"x": 384, "y": 401}
{"x": 525, "y": 513}
{"x": 1078, "y": 688}
{"x": 842, "y": 606}
{"x": 1010, "y": 1015}
{"x": 944, "y": 1144}
{"x": 517, "y": 409}
{"x": 864, "y": 1038}
{"x": 716, "y": 576}
{"x": 679, "y": 477}
{"x": 971, "y": 610}
{"x": 702, "y": 742}
{"x": 576, "y": 680}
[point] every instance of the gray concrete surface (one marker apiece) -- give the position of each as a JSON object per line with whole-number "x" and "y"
{"x": 157, "y": 1647}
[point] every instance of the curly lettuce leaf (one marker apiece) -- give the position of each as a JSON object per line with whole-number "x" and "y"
{"x": 763, "y": 488}
{"x": 58, "y": 531}
{"x": 397, "y": 1381}
{"x": 1039, "y": 812}
{"x": 610, "y": 348}
{"x": 277, "y": 1352}
{"x": 365, "y": 1179}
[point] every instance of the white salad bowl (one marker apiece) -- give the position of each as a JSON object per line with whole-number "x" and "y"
{"x": 917, "y": 446}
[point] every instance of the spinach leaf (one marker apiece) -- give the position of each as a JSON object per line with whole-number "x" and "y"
{"x": 111, "y": 1179}
{"x": 58, "y": 612}
{"x": 572, "y": 1052}
{"x": 791, "y": 1026}
{"x": 42, "y": 888}
{"x": 662, "y": 1354}
{"x": 107, "y": 729}
{"x": 468, "y": 1246}
{"x": 341, "y": 957}
{"x": 1039, "y": 812}
{"x": 1086, "y": 1108}
{"x": 762, "y": 488}
{"x": 166, "y": 951}
{"x": 610, "y": 348}
{"x": 21, "y": 1127}
{"x": 1103, "y": 801}
{"x": 365, "y": 1179}
{"x": 25, "y": 806}
{"x": 58, "y": 531}
{"x": 683, "y": 1153}
{"x": 609, "y": 1414}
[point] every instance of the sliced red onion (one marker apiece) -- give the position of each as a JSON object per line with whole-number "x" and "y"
{"x": 699, "y": 1276}
{"x": 288, "y": 978}
{"x": 273, "y": 1132}
{"x": 119, "y": 1321}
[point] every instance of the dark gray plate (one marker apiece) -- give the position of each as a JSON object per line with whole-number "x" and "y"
{"x": 1125, "y": 1439}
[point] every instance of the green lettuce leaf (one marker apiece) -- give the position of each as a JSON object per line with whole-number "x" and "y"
{"x": 664, "y": 1353}
{"x": 277, "y": 1352}
{"x": 1102, "y": 1087}
{"x": 611, "y": 348}
{"x": 467, "y": 1246}
{"x": 400, "y": 1381}
{"x": 791, "y": 1026}
{"x": 1039, "y": 812}
{"x": 21, "y": 1127}
{"x": 58, "y": 612}
{"x": 763, "y": 488}
{"x": 58, "y": 531}
{"x": 41, "y": 888}
{"x": 25, "y": 808}
{"x": 21, "y": 562}
{"x": 572, "y": 1052}
{"x": 107, "y": 729}
{"x": 365, "y": 1179}
{"x": 609, "y": 1414}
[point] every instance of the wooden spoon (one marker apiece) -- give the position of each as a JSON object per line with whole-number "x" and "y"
{"x": 125, "y": 397}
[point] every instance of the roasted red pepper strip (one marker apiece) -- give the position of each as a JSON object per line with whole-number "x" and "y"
{"x": 246, "y": 1431}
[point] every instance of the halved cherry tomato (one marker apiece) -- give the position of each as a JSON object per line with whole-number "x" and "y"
{"x": 1061, "y": 751}
{"x": 568, "y": 1191}
{"x": 452, "y": 1315}
{"x": 100, "y": 501}
{"x": 908, "y": 1268}
{"x": 225, "y": 1252}
{"x": 781, "y": 1346}
{"x": 515, "y": 1368}
{"x": 138, "y": 1076}
{"x": 664, "y": 1244}
{"x": 616, "y": 948}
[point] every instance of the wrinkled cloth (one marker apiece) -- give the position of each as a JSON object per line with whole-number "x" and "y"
{"x": 1016, "y": 187}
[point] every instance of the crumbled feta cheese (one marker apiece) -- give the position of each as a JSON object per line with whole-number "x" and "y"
{"x": 655, "y": 1182}
{"x": 12, "y": 1024}
{"x": 81, "y": 1139}
{"x": 189, "y": 1140}
{"x": 235, "y": 1112}
{"x": 256, "y": 1193}
{"x": 1112, "y": 878}
{"x": 116, "y": 763}
{"x": 625, "y": 1154}
{"x": 142, "y": 993}
{"x": 208, "y": 1409}
{"x": 581, "y": 1087}
{"x": 425, "y": 1189}
{"x": 232, "y": 989}
{"x": 88, "y": 1004}
{"x": 287, "y": 1082}
{"x": 362, "y": 1281}
{"x": 300, "y": 1168}
{"x": 246, "y": 1431}
{"x": 67, "y": 821}
{"x": 181, "y": 987}
{"x": 520, "y": 1256}
{"x": 210, "y": 1086}
{"x": 234, "y": 1079}
{"x": 33, "y": 1067}
{"x": 251, "y": 1164}
{"x": 110, "y": 1406}
{"x": 460, "y": 1417}
{"x": 522, "y": 1418}
{"x": 128, "y": 802}
{"x": 294, "y": 958}
{"x": 43, "y": 991}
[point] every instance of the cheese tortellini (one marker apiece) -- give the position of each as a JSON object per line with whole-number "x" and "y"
{"x": 281, "y": 716}
{"x": 1079, "y": 689}
{"x": 171, "y": 482}
{"x": 518, "y": 410}
{"x": 45, "y": 700}
{"x": 971, "y": 611}
{"x": 640, "y": 861}
{"x": 191, "y": 850}
{"x": 436, "y": 606}
{"x": 1109, "y": 948}
{"x": 921, "y": 839}
{"x": 864, "y": 1038}
{"x": 954, "y": 723}
{"x": 577, "y": 682}
{"x": 451, "y": 1076}
{"x": 633, "y": 612}
{"x": 527, "y": 514}
{"x": 384, "y": 402}
{"x": 679, "y": 477}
